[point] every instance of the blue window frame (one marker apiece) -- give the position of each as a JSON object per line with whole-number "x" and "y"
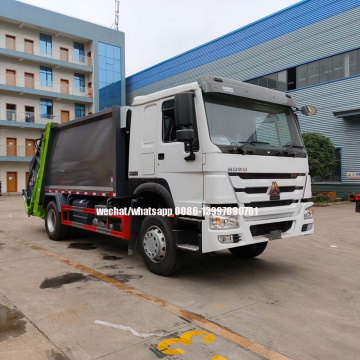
{"x": 45, "y": 44}
{"x": 109, "y": 75}
{"x": 79, "y": 52}
{"x": 79, "y": 110}
{"x": 46, "y": 108}
{"x": 79, "y": 82}
{"x": 45, "y": 76}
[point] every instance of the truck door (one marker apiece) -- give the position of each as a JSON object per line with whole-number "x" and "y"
{"x": 184, "y": 177}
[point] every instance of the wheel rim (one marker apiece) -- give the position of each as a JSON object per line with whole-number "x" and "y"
{"x": 50, "y": 219}
{"x": 154, "y": 244}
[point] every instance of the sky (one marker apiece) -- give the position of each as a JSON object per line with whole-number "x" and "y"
{"x": 156, "y": 30}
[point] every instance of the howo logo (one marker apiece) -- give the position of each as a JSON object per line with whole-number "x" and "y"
{"x": 274, "y": 191}
{"x": 235, "y": 169}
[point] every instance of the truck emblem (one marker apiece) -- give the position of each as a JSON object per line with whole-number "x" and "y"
{"x": 274, "y": 191}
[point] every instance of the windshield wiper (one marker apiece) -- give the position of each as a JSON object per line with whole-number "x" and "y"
{"x": 251, "y": 142}
{"x": 286, "y": 146}
{"x": 232, "y": 146}
{"x": 240, "y": 148}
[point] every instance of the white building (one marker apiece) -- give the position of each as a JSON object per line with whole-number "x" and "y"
{"x": 52, "y": 68}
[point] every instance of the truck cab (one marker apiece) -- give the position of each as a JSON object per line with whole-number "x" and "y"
{"x": 224, "y": 143}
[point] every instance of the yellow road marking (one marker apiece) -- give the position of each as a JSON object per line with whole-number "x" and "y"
{"x": 218, "y": 357}
{"x": 208, "y": 338}
{"x": 185, "y": 339}
{"x": 183, "y": 314}
{"x": 163, "y": 346}
{"x": 219, "y": 306}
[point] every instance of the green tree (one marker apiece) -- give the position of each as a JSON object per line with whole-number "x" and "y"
{"x": 321, "y": 152}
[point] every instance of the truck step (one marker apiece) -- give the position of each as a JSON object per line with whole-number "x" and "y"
{"x": 188, "y": 247}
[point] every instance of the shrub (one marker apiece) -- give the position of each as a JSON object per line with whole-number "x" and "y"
{"x": 321, "y": 153}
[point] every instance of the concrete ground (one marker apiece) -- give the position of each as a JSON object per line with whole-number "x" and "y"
{"x": 300, "y": 299}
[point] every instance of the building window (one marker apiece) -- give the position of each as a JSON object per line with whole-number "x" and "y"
{"x": 45, "y": 76}
{"x": 291, "y": 75}
{"x": 46, "y": 108}
{"x": 336, "y": 171}
{"x": 109, "y": 75}
{"x": 325, "y": 70}
{"x": 316, "y": 72}
{"x": 354, "y": 62}
{"x": 337, "y": 66}
{"x": 313, "y": 73}
{"x": 11, "y": 112}
{"x": 79, "y": 110}
{"x": 29, "y": 114}
{"x": 45, "y": 44}
{"x": 254, "y": 81}
{"x": 79, "y": 82}
{"x": 79, "y": 52}
{"x": 263, "y": 81}
{"x": 301, "y": 76}
{"x": 282, "y": 81}
{"x": 272, "y": 81}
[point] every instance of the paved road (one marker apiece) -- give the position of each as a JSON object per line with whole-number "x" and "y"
{"x": 299, "y": 300}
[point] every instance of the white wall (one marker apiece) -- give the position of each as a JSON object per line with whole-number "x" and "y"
{"x": 22, "y": 101}
{"x": 20, "y": 168}
{"x": 32, "y": 34}
{"x": 34, "y": 68}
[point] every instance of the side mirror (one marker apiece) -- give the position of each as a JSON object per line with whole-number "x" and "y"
{"x": 308, "y": 110}
{"x": 184, "y": 109}
{"x": 187, "y": 136}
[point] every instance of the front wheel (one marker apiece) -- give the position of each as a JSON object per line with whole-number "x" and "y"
{"x": 55, "y": 230}
{"x": 249, "y": 251}
{"x": 158, "y": 246}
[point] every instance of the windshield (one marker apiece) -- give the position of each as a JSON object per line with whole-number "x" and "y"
{"x": 245, "y": 122}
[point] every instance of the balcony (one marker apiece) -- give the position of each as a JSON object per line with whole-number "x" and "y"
{"x": 29, "y": 85}
{"x": 30, "y": 51}
{"x": 15, "y": 153}
{"x": 27, "y": 119}
{"x": 13, "y": 118}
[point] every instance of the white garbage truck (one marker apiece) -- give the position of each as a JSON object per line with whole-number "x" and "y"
{"x": 226, "y": 157}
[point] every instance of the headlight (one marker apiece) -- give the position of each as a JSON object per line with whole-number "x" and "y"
{"x": 309, "y": 213}
{"x": 224, "y": 222}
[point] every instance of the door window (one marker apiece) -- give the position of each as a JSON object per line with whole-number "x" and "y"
{"x": 169, "y": 127}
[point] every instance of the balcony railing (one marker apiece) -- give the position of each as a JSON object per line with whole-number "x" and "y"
{"x": 28, "y": 47}
{"x": 17, "y": 150}
{"x": 32, "y": 118}
{"x": 37, "y": 84}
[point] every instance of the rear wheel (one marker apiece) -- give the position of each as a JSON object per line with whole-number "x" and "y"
{"x": 55, "y": 230}
{"x": 158, "y": 246}
{"x": 249, "y": 251}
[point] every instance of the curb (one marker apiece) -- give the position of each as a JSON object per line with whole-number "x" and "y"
{"x": 333, "y": 204}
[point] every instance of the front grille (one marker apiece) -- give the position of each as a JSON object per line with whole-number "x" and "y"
{"x": 264, "y": 204}
{"x": 265, "y": 176}
{"x": 290, "y": 188}
{"x": 265, "y": 229}
{"x": 236, "y": 238}
{"x": 263, "y": 190}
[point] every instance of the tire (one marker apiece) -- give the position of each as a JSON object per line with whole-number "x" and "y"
{"x": 55, "y": 230}
{"x": 249, "y": 251}
{"x": 158, "y": 246}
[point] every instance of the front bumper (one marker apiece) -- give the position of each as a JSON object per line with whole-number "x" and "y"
{"x": 211, "y": 243}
